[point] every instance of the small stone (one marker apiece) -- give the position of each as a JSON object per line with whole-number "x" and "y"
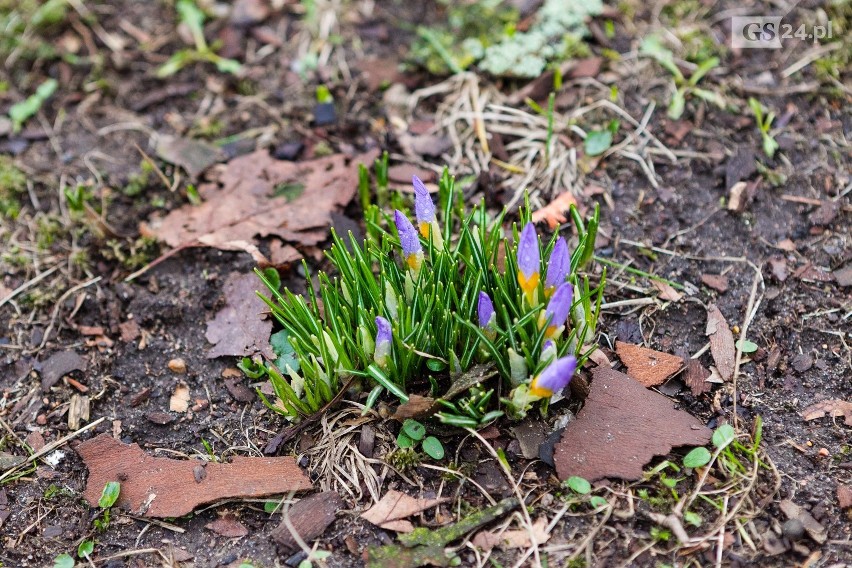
{"x": 41, "y": 419}
{"x": 177, "y": 366}
{"x": 288, "y": 151}
{"x": 324, "y": 114}
{"x": 793, "y": 529}
{"x": 824, "y": 453}
{"x": 802, "y": 362}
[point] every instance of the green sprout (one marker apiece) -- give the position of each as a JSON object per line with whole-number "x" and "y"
{"x": 764, "y": 118}
{"x": 108, "y": 498}
{"x": 191, "y": 15}
{"x": 683, "y": 87}
{"x": 24, "y": 110}
{"x": 425, "y": 307}
{"x": 414, "y": 433}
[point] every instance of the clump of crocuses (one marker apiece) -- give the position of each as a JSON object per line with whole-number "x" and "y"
{"x": 418, "y": 304}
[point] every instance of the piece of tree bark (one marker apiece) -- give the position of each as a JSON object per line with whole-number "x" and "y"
{"x": 649, "y": 367}
{"x": 721, "y": 342}
{"x": 164, "y": 487}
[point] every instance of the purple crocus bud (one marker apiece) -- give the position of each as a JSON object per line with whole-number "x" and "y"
{"x": 384, "y": 335}
{"x": 554, "y": 378}
{"x": 485, "y": 310}
{"x": 424, "y": 209}
{"x": 408, "y": 239}
{"x": 529, "y": 262}
{"x": 557, "y": 267}
{"x": 556, "y": 313}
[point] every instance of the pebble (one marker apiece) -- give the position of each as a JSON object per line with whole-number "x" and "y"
{"x": 41, "y": 419}
{"x": 793, "y": 529}
{"x": 177, "y": 366}
{"x": 823, "y": 452}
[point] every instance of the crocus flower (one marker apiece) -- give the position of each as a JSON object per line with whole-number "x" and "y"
{"x": 383, "y": 341}
{"x": 556, "y": 313}
{"x": 548, "y": 350}
{"x": 411, "y": 247}
{"x": 554, "y": 378}
{"x": 485, "y": 311}
{"x": 557, "y": 267}
{"x": 424, "y": 211}
{"x": 529, "y": 262}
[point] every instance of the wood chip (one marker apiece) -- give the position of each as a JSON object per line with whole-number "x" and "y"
{"x": 721, "y": 342}
{"x": 649, "y": 367}
{"x": 737, "y": 197}
{"x": 179, "y": 401}
{"x": 621, "y": 428}
{"x": 228, "y": 526}
{"x": 696, "y": 376}
{"x": 165, "y": 487}
{"x": 397, "y": 506}
{"x": 832, "y": 407}
{"x": 844, "y": 496}
{"x": 129, "y": 330}
{"x": 57, "y": 366}
{"x": 78, "y": 411}
{"x": 310, "y": 517}
{"x": 718, "y": 282}
{"x": 815, "y": 530}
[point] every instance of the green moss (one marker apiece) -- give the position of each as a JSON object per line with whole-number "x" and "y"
{"x": 48, "y": 230}
{"x": 404, "y": 459}
{"x": 13, "y": 183}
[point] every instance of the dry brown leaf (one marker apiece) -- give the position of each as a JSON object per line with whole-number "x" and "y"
{"x": 696, "y": 377}
{"x": 258, "y": 196}
{"x": 721, "y": 342}
{"x": 194, "y": 156}
{"x": 310, "y": 517}
{"x": 815, "y": 530}
{"x": 228, "y": 526}
{"x": 396, "y": 506}
{"x": 165, "y": 487}
{"x": 179, "y": 401}
{"x": 831, "y": 407}
{"x": 621, "y": 428}
{"x": 718, "y": 282}
{"x": 649, "y": 367}
{"x": 520, "y": 538}
{"x": 416, "y": 407}
{"x": 240, "y": 329}
{"x": 554, "y": 213}
{"x": 666, "y": 291}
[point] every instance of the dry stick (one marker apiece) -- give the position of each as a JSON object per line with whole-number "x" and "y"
{"x": 58, "y": 305}
{"x": 29, "y": 283}
{"x": 517, "y": 491}
{"x": 52, "y": 446}
{"x": 751, "y": 311}
{"x": 160, "y": 259}
{"x": 131, "y": 553}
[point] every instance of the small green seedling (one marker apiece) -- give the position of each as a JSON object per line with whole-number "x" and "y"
{"x": 64, "y": 560}
{"x": 684, "y": 87}
{"x": 764, "y": 117}
{"x": 599, "y": 141}
{"x": 413, "y": 433}
{"x": 24, "y": 110}
{"x": 108, "y": 498}
{"x": 193, "y": 17}
{"x": 85, "y": 549}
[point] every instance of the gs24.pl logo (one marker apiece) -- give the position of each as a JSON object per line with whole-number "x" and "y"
{"x": 767, "y": 32}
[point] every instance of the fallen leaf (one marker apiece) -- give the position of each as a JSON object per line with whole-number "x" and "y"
{"x": 5, "y": 510}
{"x": 718, "y": 282}
{"x": 786, "y": 245}
{"x": 649, "y": 367}
{"x": 310, "y": 517}
{"x": 740, "y": 166}
{"x": 239, "y": 329}
{"x": 778, "y": 266}
{"x": 57, "y": 366}
{"x": 228, "y": 526}
{"x": 530, "y": 435}
{"x": 666, "y": 291}
{"x": 843, "y": 276}
{"x": 621, "y": 428}
{"x": 812, "y": 273}
{"x": 696, "y": 377}
{"x": 416, "y": 407}
{"x": 259, "y": 196}
{"x": 486, "y": 540}
{"x": 239, "y": 391}
{"x": 194, "y": 156}
{"x": 555, "y": 213}
{"x": 844, "y": 496}
{"x": 721, "y": 342}
{"x": 397, "y": 506}
{"x": 165, "y": 487}
{"x": 832, "y": 407}
{"x": 179, "y": 401}
{"x": 815, "y": 530}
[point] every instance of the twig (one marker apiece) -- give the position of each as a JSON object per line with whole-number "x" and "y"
{"x": 29, "y": 283}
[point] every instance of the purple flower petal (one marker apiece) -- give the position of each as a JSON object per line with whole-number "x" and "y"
{"x": 558, "y": 265}
{"x": 529, "y": 258}
{"x": 424, "y": 208}
{"x": 408, "y": 238}
{"x": 485, "y": 310}
{"x": 559, "y": 307}
{"x": 383, "y": 331}
{"x": 554, "y": 378}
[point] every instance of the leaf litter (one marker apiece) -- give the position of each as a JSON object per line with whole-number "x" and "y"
{"x": 240, "y": 329}
{"x": 394, "y": 507}
{"x": 259, "y": 196}
{"x": 722, "y": 345}
{"x": 649, "y": 367}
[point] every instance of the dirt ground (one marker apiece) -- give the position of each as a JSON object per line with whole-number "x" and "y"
{"x": 786, "y": 252}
